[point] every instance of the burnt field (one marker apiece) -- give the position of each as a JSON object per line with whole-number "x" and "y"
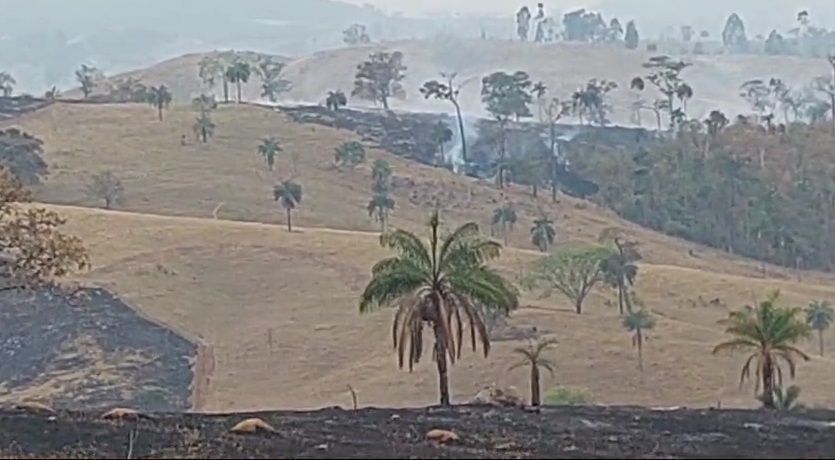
{"x": 483, "y": 433}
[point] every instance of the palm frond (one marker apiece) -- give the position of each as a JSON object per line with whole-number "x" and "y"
{"x": 407, "y": 246}
{"x": 389, "y": 286}
{"x": 735, "y": 345}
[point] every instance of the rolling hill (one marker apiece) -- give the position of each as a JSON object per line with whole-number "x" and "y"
{"x": 280, "y": 309}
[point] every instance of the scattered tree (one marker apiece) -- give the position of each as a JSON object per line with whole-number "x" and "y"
{"x": 106, "y": 186}
{"x": 380, "y": 176}
{"x": 379, "y": 78}
{"x": 620, "y": 271}
{"x": 826, "y": 86}
{"x": 289, "y": 194}
{"x": 448, "y": 91}
{"x": 379, "y": 207}
{"x": 349, "y": 154}
{"x": 505, "y": 218}
{"x": 665, "y": 75}
{"x": 356, "y": 34}
{"x": 506, "y": 97}
{"x": 632, "y": 39}
{"x": 7, "y": 83}
{"x": 269, "y": 150}
{"x": 769, "y": 331}
{"x": 239, "y": 72}
{"x": 532, "y": 356}
{"x": 572, "y": 271}
{"x": 210, "y": 70}
{"x": 590, "y": 102}
{"x": 160, "y": 98}
{"x": 204, "y": 127}
{"x": 543, "y": 233}
{"x": 523, "y": 23}
{"x": 733, "y": 36}
{"x": 638, "y": 323}
{"x": 819, "y": 317}
{"x": 553, "y": 113}
{"x": 21, "y": 155}
{"x": 335, "y": 100}
{"x": 441, "y": 134}
{"x": 88, "y": 77}
{"x": 436, "y": 285}
{"x": 271, "y": 82}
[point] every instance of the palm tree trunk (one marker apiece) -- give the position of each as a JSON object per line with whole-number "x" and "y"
{"x": 504, "y": 233}
{"x": 535, "y": 396}
{"x": 443, "y": 378}
{"x": 620, "y": 300}
{"x": 461, "y": 131}
{"x": 159, "y": 108}
{"x": 820, "y": 340}
{"x": 768, "y": 383}
{"x": 640, "y": 341}
{"x": 578, "y": 305}
{"x": 289, "y": 221}
{"x": 238, "y": 82}
{"x": 385, "y": 102}
{"x": 225, "y": 90}
{"x": 204, "y": 134}
{"x": 535, "y": 190}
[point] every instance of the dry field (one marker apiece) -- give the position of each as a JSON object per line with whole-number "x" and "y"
{"x": 280, "y": 309}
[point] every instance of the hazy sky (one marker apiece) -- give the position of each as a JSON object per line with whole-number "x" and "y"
{"x": 467, "y": 6}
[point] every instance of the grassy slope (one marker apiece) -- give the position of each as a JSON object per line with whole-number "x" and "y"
{"x": 233, "y": 282}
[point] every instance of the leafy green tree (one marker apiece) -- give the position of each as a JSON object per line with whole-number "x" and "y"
{"x": 448, "y": 91}
{"x": 379, "y": 207}
{"x": 269, "y": 150}
{"x": 631, "y": 39}
{"x": 769, "y": 332}
{"x": 506, "y": 97}
{"x": 590, "y": 102}
{"x": 289, "y": 194}
{"x": 159, "y": 97}
{"x": 7, "y": 83}
{"x": 532, "y": 356}
{"x": 543, "y": 233}
{"x": 239, "y": 72}
{"x": 380, "y": 176}
{"x": 619, "y": 271}
{"x": 272, "y": 85}
{"x": 505, "y": 218}
{"x": 335, "y": 100}
{"x": 88, "y": 77}
{"x": 349, "y": 154}
{"x": 441, "y": 134}
{"x": 379, "y": 78}
{"x": 211, "y": 69}
{"x": 440, "y": 285}
{"x": 638, "y": 323}
{"x": 819, "y": 317}
{"x": 573, "y": 272}
{"x": 665, "y": 75}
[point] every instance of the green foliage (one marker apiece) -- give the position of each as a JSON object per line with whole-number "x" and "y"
{"x": 379, "y": 207}
{"x": 631, "y": 39}
{"x": 441, "y": 134}
{"x": 159, "y": 97}
{"x": 733, "y": 35}
{"x": 768, "y": 332}
{"x": 532, "y": 356}
{"x": 7, "y": 83}
{"x": 269, "y": 149}
{"x": 638, "y": 322}
{"x": 505, "y": 218}
{"x": 567, "y": 396}
{"x": 204, "y": 127}
{"x": 572, "y": 271}
{"x": 335, "y": 100}
{"x": 440, "y": 284}
{"x": 379, "y": 78}
{"x": 239, "y": 72}
{"x": 211, "y": 69}
{"x": 349, "y": 154}
{"x": 88, "y": 77}
{"x": 507, "y": 96}
{"x": 785, "y": 399}
{"x": 106, "y": 186}
{"x": 271, "y": 82}
{"x": 619, "y": 271}
{"x": 380, "y": 176}
{"x": 819, "y": 317}
{"x": 591, "y": 103}
{"x": 289, "y": 194}
{"x": 448, "y": 91}
{"x": 543, "y": 233}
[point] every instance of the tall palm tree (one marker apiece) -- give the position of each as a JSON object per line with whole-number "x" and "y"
{"x": 159, "y": 97}
{"x": 543, "y": 233}
{"x": 268, "y": 150}
{"x": 380, "y": 176}
{"x": 638, "y": 322}
{"x": 441, "y": 285}
{"x": 532, "y": 355}
{"x": 539, "y": 90}
{"x": 819, "y": 317}
{"x": 379, "y": 207}
{"x": 769, "y": 333}
{"x": 238, "y": 73}
{"x": 7, "y": 83}
{"x": 619, "y": 271}
{"x": 505, "y": 217}
{"x": 289, "y": 194}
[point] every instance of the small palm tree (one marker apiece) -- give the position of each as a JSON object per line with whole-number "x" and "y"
{"x": 532, "y": 356}
{"x": 619, "y": 271}
{"x": 379, "y": 207}
{"x": 268, "y": 150}
{"x": 785, "y": 400}
{"x": 204, "y": 127}
{"x": 768, "y": 331}
{"x": 638, "y": 322}
{"x": 238, "y": 73}
{"x": 819, "y": 317}
{"x": 159, "y": 97}
{"x": 7, "y": 83}
{"x": 505, "y": 217}
{"x": 539, "y": 90}
{"x": 441, "y": 285}
{"x": 441, "y": 134}
{"x": 543, "y": 233}
{"x": 380, "y": 176}
{"x": 289, "y": 194}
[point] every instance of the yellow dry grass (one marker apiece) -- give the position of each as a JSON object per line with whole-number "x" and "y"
{"x": 237, "y": 284}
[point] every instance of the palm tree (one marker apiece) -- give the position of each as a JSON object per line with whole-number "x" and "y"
{"x": 768, "y": 331}
{"x": 506, "y": 217}
{"x": 441, "y": 285}
{"x": 7, "y": 83}
{"x": 620, "y": 271}
{"x": 539, "y": 90}
{"x": 441, "y": 134}
{"x": 379, "y": 207}
{"x": 532, "y": 356}
{"x": 819, "y": 317}
{"x": 269, "y": 149}
{"x": 204, "y": 127}
{"x": 638, "y": 322}
{"x": 543, "y": 233}
{"x": 380, "y": 176}
{"x": 159, "y": 97}
{"x": 289, "y": 194}
{"x": 238, "y": 73}
{"x": 786, "y": 399}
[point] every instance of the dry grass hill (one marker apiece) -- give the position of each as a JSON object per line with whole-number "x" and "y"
{"x": 562, "y": 66}
{"x": 280, "y": 309}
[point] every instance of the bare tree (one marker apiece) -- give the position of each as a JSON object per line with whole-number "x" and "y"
{"x": 106, "y": 186}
